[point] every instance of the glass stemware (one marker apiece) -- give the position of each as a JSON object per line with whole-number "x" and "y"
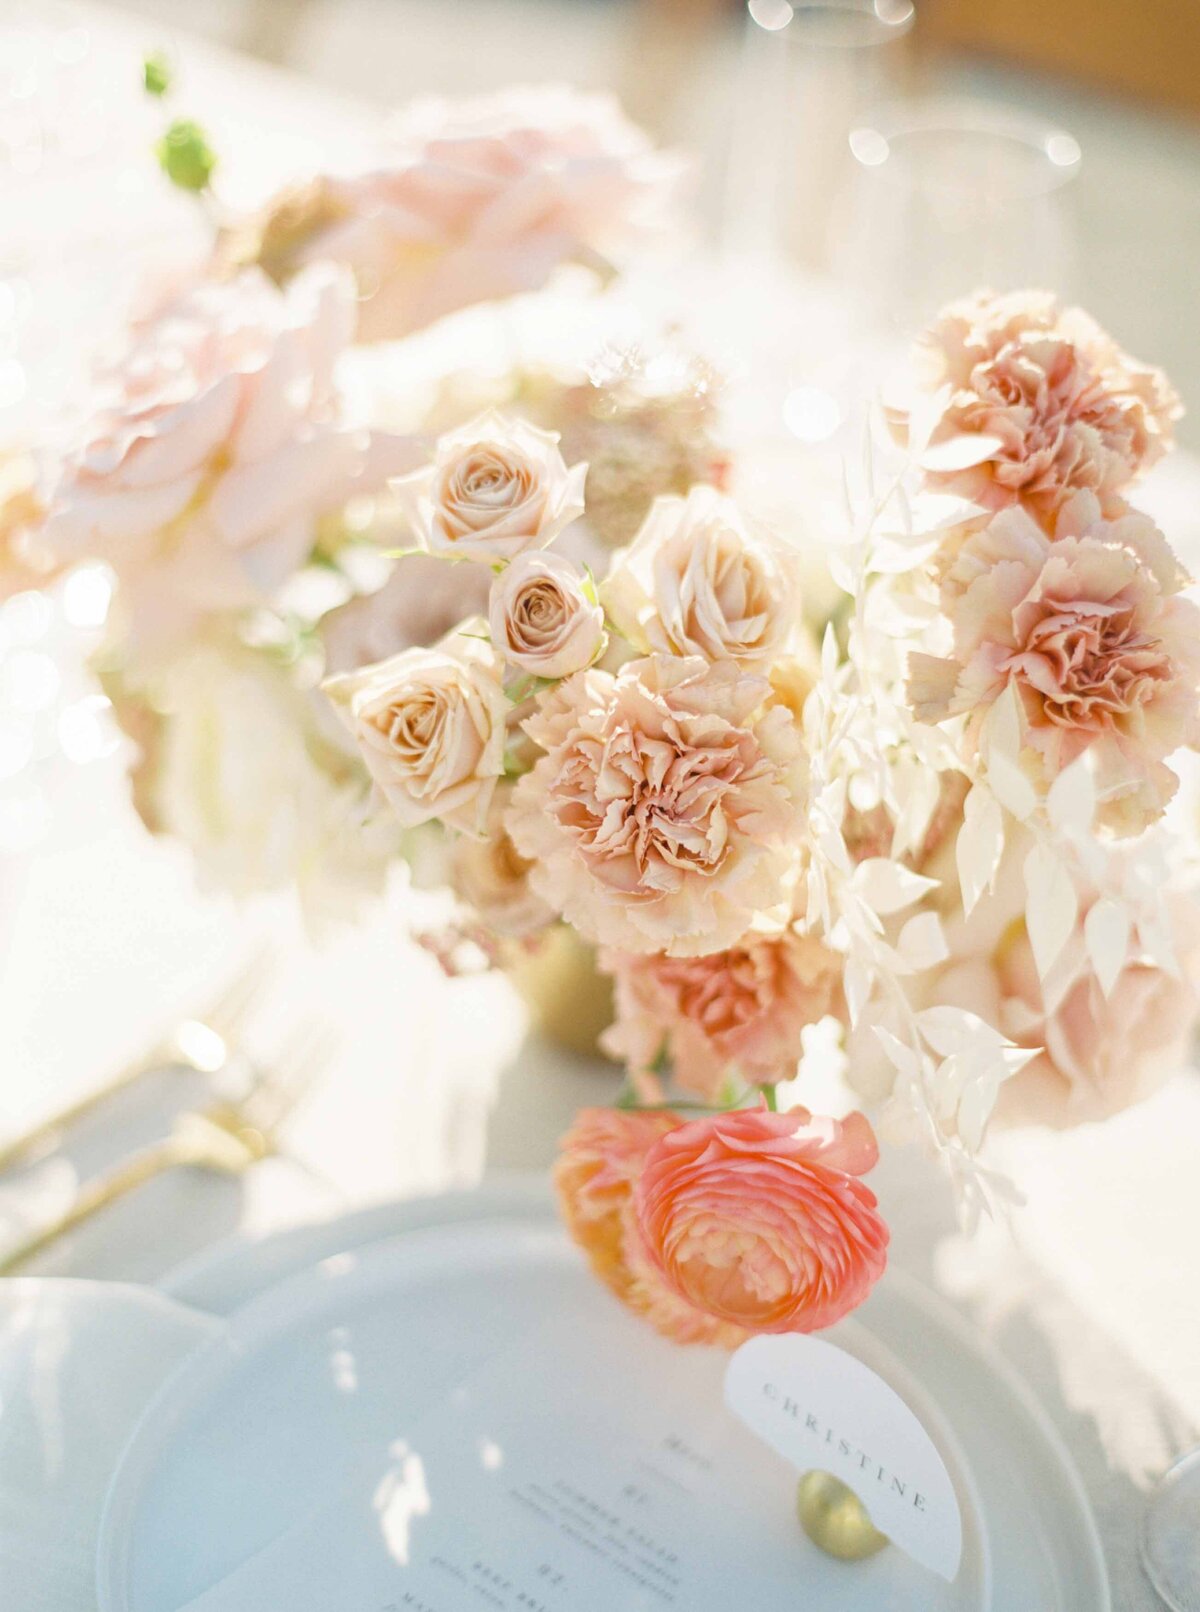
{"x": 808, "y": 70}
{"x": 947, "y": 196}
{"x": 1171, "y": 1535}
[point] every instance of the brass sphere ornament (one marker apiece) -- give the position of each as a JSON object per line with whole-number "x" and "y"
{"x": 835, "y": 1519}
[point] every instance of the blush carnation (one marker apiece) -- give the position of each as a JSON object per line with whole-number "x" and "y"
{"x": 1041, "y": 403}
{"x": 664, "y": 813}
{"x": 739, "y": 1012}
{"x": 759, "y": 1219}
{"x": 1090, "y": 632}
{"x": 1098, "y": 1051}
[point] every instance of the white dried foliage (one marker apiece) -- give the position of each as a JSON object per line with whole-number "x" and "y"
{"x": 869, "y": 754}
{"x": 980, "y": 844}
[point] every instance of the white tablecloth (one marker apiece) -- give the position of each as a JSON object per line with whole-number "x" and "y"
{"x": 1091, "y": 1292}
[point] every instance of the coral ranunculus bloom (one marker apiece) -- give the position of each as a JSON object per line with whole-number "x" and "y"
{"x": 759, "y": 1220}
{"x": 600, "y": 1159}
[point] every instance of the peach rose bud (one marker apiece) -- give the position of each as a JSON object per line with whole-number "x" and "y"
{"x": 431, "y": 726}
{"x": 541, "y": 618}
{"x": 495, "y": 488}
{"x": 696, "y": 581}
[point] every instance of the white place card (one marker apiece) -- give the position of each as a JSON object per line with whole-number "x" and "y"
{"x": 822, "y": 1409}
{"x": 583, "y": 1472}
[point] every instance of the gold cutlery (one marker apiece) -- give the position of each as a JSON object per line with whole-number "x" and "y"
{"x": 225, "y": 1138}
{"x": 203, "y": 1044}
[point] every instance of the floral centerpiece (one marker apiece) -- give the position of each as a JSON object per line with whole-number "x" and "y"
{"x": 934, "y": 823}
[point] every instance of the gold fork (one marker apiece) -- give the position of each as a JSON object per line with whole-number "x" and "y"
{"x": 203, "y": 1043}
{"x": 226, "y": 1138}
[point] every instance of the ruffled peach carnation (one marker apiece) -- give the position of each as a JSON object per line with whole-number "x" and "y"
{"x": 664, "y": 814}
{"x": 1041, "y": 403}
{"x": 758, "y": 1219}
{"x": 1090, "y": 632}
{"x": 738, "y": 1012}
{"x": 1100, "y": 1054}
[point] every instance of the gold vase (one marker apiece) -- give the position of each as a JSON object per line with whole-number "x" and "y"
{"x": 568, "y": 998}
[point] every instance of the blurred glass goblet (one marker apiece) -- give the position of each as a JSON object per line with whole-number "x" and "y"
{"x": 1171, "y": 1536}
{"x": 809, "y": 68}
{"x": 948, "y": 196}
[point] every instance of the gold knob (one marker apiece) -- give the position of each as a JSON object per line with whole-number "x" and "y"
{"x": 835, "y": 1519}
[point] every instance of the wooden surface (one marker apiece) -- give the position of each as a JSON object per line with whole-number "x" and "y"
{"x": 1149, "y": 49}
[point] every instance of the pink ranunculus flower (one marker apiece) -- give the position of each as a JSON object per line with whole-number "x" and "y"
{"x": 472, "y": 201}
{"x": 1041, "y": 403}
{"x": 600, "y": 1160}
{"x": 664, "y": 814}
{"x": 696, "y": 581}
{"x": 218, "y": 440}
{"x": 1090, "y": 631}
{"x": 759, "y": 1219}
{"x": 496, "y": 487}
{"x": 739, "y": 1012}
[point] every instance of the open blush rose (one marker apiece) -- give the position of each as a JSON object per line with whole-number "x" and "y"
{"x": 495, "y": 488}
{"x": 759, "y": 1219}
{"x": 218, "y": 439}
{"x": 471, "y": 201}
{"x": 739, "y": 1012}
{"x": 665, "y": 811}
{"x": 431, "y": 726}
{"x": 1103, "y": 654}
{"x": 695, "y": 581}
{"x": 1040, "y": 403}
{"x": 541, "y": 618}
